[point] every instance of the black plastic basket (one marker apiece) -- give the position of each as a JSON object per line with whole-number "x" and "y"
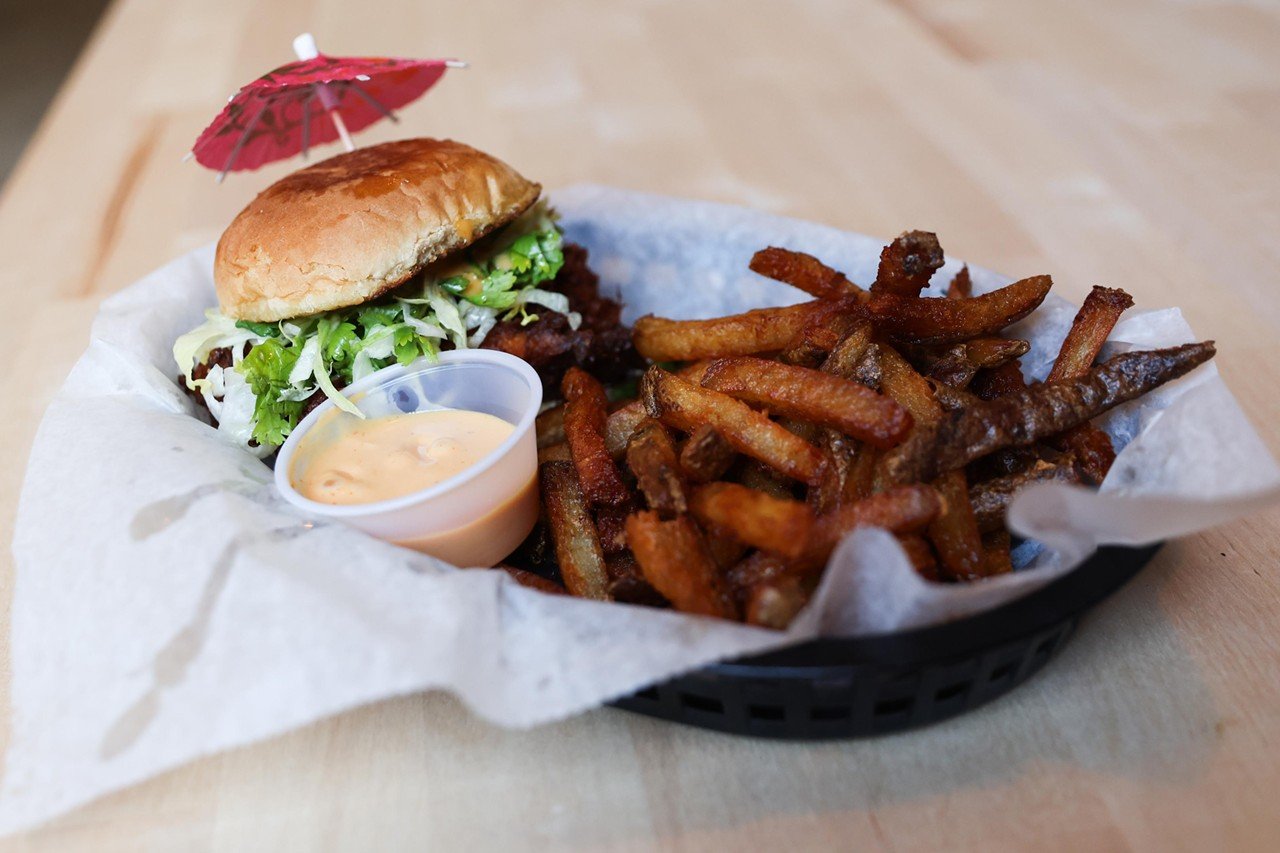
{"x": 863, "y": 686}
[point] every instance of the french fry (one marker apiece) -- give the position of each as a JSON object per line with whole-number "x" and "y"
{"x": 999, "y": 381}
{"x": 997, "y": 558}
{"x": 954, "y": 533}
{"x": 804, "y": 272}
{"x": 549, "y": 427}
{"x": 961, "y": 286}
{"x": 772, "y": 524}
{"x": 651, "y": 456}
{"x": 777, "y": 603}
{"x": 812, "y": 395}
{"x": 627, "y": 583}
{"x": 1024, "y": 417}
{"x": 960, "y": 363}
{"x": 923, "y": 320}
{"x": 577, "y": 544}
{"x": 533, "y": 581}
{"x": 619, "y": 426}
{"x": 900, "y": 381}
{"x": 907, "y": 264}
{"x": 1093, "y": 323}
{"x": 759, "y": 568}
{"x": 724, "y": 547}
{"x": 761, "y": 330}
{"x": 554, "y": 453}
{"x": 921, "y": 555}
{"x": 844, "y": 359}
{"x": 611, "y": 527}
{"x": 686, "y": 406}
{"x": 674, "y": 559}
{"x": 905, "y": 509}
{"x": 822, "y": 334}
{"x": 706, "y": 456}
{"x": 991, "y": 498}
{"x": 585, "y": 418}
{"x": 757, "y": 475}
{"x": 830, "y": 490}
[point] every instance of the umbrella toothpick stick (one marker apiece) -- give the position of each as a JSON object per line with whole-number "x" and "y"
{"x": 304, "y": 46}
{"x": 342, "y": 129}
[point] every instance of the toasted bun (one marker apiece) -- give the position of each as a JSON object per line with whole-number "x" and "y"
{"x": 343, "y": 231}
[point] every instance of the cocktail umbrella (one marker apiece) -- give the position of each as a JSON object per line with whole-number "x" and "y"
{"x": 312, "y": 101}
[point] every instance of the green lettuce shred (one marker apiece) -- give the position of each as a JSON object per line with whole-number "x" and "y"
{"x": 287, "y": 362}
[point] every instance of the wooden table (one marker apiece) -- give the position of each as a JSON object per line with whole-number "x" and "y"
{"x": 1110, "y": 141}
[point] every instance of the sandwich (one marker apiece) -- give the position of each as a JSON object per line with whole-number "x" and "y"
{"x": 386, "y": 255}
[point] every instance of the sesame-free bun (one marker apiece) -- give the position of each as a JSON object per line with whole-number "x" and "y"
{"x": 345, "y": 230}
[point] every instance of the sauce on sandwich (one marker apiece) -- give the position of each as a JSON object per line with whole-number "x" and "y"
{"x": 383, "y": 458}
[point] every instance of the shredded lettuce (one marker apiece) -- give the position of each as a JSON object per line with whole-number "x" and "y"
{"x": 279, "y": 366}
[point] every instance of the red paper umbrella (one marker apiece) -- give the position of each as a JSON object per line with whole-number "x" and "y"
{"x": 309, "y": 102}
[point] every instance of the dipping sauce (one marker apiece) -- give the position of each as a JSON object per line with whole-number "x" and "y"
{"x": 487, "y": 539}
{"x": 383, "y": 458}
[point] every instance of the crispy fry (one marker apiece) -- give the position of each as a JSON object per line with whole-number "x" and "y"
{"x": 686, "y": 406}
{"x": 841, "y": 453}
{"x": 533, "y": 581}
{"x": 771, "y": 524}
{"x": 758, "y": 568}
{"x": 1093, "y": 323}
{"x": 812, "y": 395}
{"x": 674, "y": 559}
{"x": 549, "y": 427}
{"x": 961, "y": 286}
{"x": 627, "y": 584}
{"x": 724, "y": 547}
{"x": 997, "y": 558}
{"x": 776, "y": 604}
{"x": 619, "y": 426}
{"x": 999, "y": 381}
{"x": 757, "y": 475}
{"x": 844, "y": 359}
{"x": 651, "y": 456}
{"x": 905, "y": 509}
{"x": 554, "y": 453}
{"x": 921, "y": 555}
{"x": 991, "y": 498}
{"x": 922, "y": 320}
{"x": 804, "y": 272}
{"x": 762, "y": 330}
{"x": 706, "y": 455}
{"x": 900, "y": 381}
{"x": 1023, "y": 418}
{"x": 611, "y": 527}
{"x": 907, "y": 264}
{"x": 1092, "y": 449}
{"x": 576, "y": 542}
{"x": 823, "y": 333}
{"x": 961, "y": 362}
{"x": 954, "y": 533}
{"x": 584, "y": 426}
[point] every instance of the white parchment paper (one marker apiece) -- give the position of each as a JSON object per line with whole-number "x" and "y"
{"x": 169, "y": 605}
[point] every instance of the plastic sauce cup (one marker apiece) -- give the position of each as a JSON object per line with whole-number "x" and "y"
{"x": 474, "y": 518}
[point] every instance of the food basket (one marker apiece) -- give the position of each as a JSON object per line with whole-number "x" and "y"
{"x": 874, "y": 685}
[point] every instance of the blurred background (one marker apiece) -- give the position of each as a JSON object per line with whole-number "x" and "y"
{"x": 39, "y": 42}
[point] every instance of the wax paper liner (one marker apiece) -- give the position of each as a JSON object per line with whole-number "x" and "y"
{"x": 168, "y": 604}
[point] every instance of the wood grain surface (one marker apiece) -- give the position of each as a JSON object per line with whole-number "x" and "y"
{"x": 1122, "y": 142}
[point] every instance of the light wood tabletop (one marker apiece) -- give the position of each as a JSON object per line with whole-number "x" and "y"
{"x": 1125, "y": 142}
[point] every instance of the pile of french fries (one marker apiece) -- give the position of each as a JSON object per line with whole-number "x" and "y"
{"x": 758, "y": 441}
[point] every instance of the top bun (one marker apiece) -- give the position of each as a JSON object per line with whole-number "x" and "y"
{"x": 345, "y": 230}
